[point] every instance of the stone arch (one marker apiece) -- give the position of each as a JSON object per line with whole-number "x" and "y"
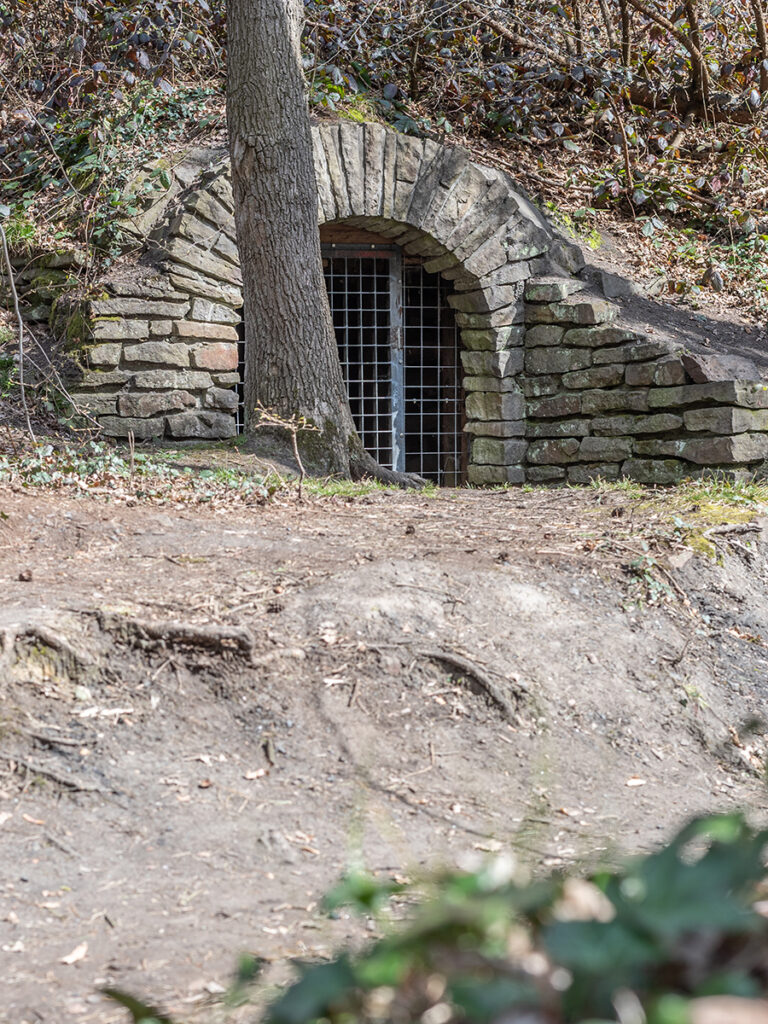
{"x": 466, "y": 221}
{"x": 471, "y": 226}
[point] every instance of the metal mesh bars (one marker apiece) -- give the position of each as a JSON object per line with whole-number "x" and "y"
{"x": 360, "y": 295}
{"x": 434, "y": 442}
{"x": 399, "y": 351}
{"x": 240, "y": 412}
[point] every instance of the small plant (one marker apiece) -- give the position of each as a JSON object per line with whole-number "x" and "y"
{"x": 9, "y": 377}
{"x": 645, "y": 571}
{"x": 293, "y": 425}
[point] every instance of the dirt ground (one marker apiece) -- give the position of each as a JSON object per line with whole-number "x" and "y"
{"x": 205, "y": 716}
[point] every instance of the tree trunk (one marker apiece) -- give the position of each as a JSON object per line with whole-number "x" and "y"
{"x": 292, "y": 362}
{"x": 626, "y": 36}
{"x": 762, "y": 43}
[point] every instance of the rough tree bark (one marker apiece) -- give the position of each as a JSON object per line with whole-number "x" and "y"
{"x": 292, "y": 363}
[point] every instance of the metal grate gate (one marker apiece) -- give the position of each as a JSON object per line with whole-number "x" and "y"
{"x": 399, "y": 350}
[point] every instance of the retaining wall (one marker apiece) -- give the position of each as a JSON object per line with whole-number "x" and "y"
{"x": 556, "y": 389}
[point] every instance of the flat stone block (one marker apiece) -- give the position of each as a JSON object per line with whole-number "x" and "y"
{"x": 204, "y": 331}
{"x": 163, "y": 352}
{"x": 226, "y": 379}
{"x": 160, "y": 328}
{"x": 747, "y": 394}
{"x": 596, "y": 377}
{"x": 669, "y": 372}
{"x": 715, "y": 451}
{"x": 120, "y": 426}
{"x": 553, "y": 452}
{"x": 657, "y": 447}
{"x": 657, "y": 424}
{"x": 574, "y": 311}
{"x": 599, "y": 337}
{"x": 506, "y": 316}
{"x": 202, "y": 261}
{"x": 484, "y": 300}
{"x": 495, "y": 406}
{"x": 552, "y": 289}
{"x": 606, "y": 449}
{"x": 172, "y": 380}
{"x": 143, "y": 405}
{"x": 501, "y": 384}
{"x": 104, "y": 355}
{"x": 535, "y": 387}
{"x": 498, "y": 451}
{"x": 213, "y": 312}
{"x": 726, "y": 420}
{"x": 495, "y": 364}
{"x": 205, "y": 205}
{"x": 498, "y": 428}
{"x": 704, "y": 368}
{"x": 606, "y": 401}
{"x": 508, "y": 273}
{"x": 221, "y": 398}
{"x": 585, "y": 474}
{"x": 488, "y": 257}
{"x": 197, "y": 284}
{"x": 555, "y": 405}
{"x": 493, "y": 339}
{"x": 155, "y": 287}
{"x": 104, "y": 378}
{"x": 640, "y": 374}
{"x": 120, "y": 330}
{"x": 202, "y": 424}
{"x": 215, "y": 356}
{"x": 636, "y": 351}
{"x": 127, "y": 307}
{"x": 488, "y": 476}
{"x": 556, "y": 360}
{"x": 544, "y": 334}
{"x": 544, "y": 474}
{"x": 558, "y": 428}
{"x": 95, "y": 403}
{"x": 654, "y": 471}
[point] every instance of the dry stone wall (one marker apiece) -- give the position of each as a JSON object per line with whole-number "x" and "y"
{"x": 603, "y": 401}
{"x": 556, "y": 389}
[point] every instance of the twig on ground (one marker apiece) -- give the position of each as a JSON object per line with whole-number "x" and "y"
{"x": 293, "y": 426}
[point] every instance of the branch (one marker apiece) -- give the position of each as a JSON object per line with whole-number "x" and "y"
{"x": 20, "y": 326}
{"x": 514, "y": 37}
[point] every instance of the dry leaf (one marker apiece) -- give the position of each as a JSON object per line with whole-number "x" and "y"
{"x": 258, "y": 774}
{"x": 78, "y": 953}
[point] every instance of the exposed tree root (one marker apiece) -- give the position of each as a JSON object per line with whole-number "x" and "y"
{"x": 363, "y": 465}
{"x": 78, "y": 785}
{"x": 474, "y": 674}
{"x": 215, "y": 637}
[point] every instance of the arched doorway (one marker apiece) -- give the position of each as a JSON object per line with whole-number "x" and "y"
{"x": 399, "y": 347}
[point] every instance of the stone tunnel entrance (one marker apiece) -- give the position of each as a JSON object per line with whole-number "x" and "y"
{"x": 400, "y": 356}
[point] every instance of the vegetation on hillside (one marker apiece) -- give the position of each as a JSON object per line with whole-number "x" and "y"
{"x": 653, "y": 107}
